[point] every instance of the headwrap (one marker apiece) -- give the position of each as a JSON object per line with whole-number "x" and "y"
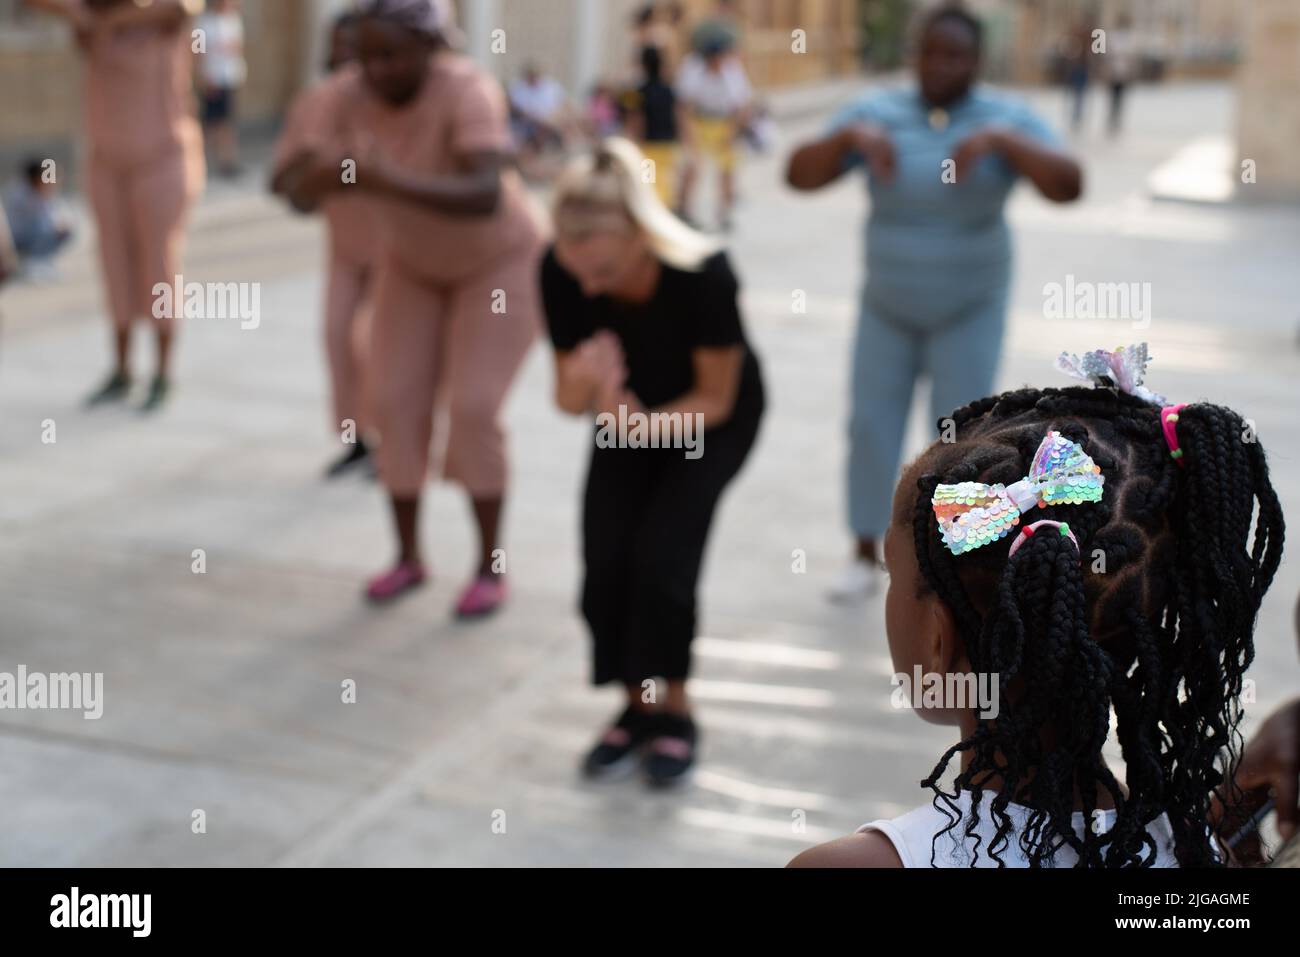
{"x": 433, "y": 18}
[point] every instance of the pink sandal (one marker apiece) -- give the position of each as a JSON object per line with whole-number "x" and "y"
{"x": 397, "y": 580}
{"x": 485, "y": 594}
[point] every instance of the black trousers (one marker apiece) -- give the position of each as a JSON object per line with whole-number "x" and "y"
{"x": 646, "y": 518}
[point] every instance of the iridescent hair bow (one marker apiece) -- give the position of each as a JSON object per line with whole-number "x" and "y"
{"x": 1122, "y": 369}
{"x": 971, "y": 514}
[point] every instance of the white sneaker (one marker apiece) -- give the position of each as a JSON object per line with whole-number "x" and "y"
{"x": 857, "y": 581}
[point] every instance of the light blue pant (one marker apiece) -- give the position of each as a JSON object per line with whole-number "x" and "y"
{"x": 959, "y": 353}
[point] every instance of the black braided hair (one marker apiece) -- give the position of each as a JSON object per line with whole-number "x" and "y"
{"x": 1162, "y": 635}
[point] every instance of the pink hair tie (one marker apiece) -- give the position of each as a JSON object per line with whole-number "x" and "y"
{"x": 1169, "y": 424}
{"x": 1029, "y": 530}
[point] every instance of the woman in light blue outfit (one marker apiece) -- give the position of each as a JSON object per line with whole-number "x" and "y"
{"x": 941, "y": 158}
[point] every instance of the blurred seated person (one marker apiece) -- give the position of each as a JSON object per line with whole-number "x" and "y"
{"x": 539, "y": 119}
{"x": 603, "y": 117}
{"x": 38, "y": 223}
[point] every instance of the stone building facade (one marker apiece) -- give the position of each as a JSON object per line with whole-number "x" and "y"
{"x": 579, "y": 41}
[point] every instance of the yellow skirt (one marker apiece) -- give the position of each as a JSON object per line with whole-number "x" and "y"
{"x": 663, "y": 159}
{"x": 716, "y": 139}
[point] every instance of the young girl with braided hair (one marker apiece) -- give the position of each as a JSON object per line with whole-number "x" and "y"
{"x": 1092, "y": 552}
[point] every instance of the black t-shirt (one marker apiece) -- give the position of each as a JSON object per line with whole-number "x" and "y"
{"x": 688, "y": 311}
{"x": 659, "y": 106}
{"x": 656, "y": 103}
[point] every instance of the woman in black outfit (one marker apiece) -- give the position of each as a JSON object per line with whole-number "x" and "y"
{"x": 643, "y": 315}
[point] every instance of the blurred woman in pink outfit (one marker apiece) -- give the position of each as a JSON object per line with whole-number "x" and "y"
{"x": 350, "y": 270}
{"x": 421, "y": 133}
{"x": 144, "y": 161}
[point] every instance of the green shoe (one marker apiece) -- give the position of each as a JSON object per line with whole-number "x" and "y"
{"x": 158, "y": 390}
{"x": 114, "y": 390}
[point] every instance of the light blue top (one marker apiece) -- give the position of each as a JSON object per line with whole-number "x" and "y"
{"x": 930, "y": 243}
{"x": 34, "y": 220}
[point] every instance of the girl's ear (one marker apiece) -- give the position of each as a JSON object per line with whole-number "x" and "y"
{"x": 945, "y": 652}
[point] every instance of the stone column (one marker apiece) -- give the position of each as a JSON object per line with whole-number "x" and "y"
{"x": 1268, "y": 101}
{"x": 480, "y": 18}
{"x": 588, "y": 32}
{"x": 317, "y": 17}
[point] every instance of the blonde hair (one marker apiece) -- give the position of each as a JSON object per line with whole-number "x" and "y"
{"x": 599, "y": 189}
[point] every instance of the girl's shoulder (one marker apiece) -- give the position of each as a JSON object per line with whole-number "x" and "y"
{"x": 862, "y": 849}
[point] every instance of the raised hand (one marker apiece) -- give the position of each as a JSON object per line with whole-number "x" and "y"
{"x": 310, "y": 177}
{"x": 974, "y": 147}
{"x": 875, "y": 146}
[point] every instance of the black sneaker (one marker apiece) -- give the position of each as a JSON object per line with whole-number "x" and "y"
{"x": 671, "y": 753}
{"x": 114, "y": 389}
{"x": 158, "y": 390}
{"x": 353, "y": 457}
{"x": 616, "y": 751}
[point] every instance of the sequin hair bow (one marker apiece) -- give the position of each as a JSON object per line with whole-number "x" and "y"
{"x": 971, "y": 514}
{"x": 1122, "y": 369}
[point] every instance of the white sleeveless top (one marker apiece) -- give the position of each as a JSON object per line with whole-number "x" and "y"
{"x": 912, "y": 835}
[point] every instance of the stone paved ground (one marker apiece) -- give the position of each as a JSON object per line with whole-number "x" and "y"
{"x": 223, "y": 689}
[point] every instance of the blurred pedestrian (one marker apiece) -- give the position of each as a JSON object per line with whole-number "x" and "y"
{"x": 1076, "y": 57}
{"x": 656, "y": 121}
{"x": 350, "y": 270}
{"x": 603, "y": 115}
{"x": 1121, "y": 61}
{"x": 644, "y": 318}
{"x": 659, "y": 25}
{"x": 716, "y": 93}
{"x": 423, "y": 133}
{"x": 144, "y": 162}
{"x": 941, "y": 158}
{"x": 221, "y": 73}
{"x": 721, "y": 28}
{"x": 38, "y": 221}
{"x": 540, "y": 119}
{"x": 1269, "y": 772}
